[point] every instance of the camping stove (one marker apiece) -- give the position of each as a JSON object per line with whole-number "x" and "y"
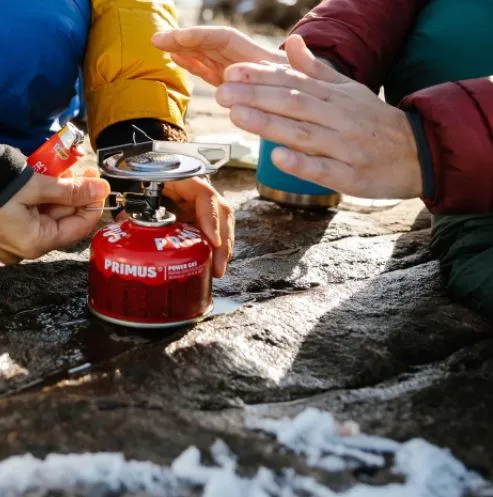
{"x": 151, "y": 271}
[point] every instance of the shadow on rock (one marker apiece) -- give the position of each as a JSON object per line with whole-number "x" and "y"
{"x": 35, "y": 284}
{"x": 378, "y": 347}
{"x": 397, "y": 322}
{"x": 269, "y": 253}
{"x": 403, "y": 360}
{"x": 359, "y": 326}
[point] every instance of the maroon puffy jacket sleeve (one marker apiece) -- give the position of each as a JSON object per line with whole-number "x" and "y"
{"x": 362, "y": 38}
{"x": 458, "y": 123}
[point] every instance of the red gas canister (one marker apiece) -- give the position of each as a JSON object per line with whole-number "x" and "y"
{"x": 155, "y": 276}
{"x": 151, "y": 271}
{"x": 58, "y": 153}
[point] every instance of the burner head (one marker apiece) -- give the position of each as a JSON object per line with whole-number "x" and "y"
{"x": 160, "y": 161}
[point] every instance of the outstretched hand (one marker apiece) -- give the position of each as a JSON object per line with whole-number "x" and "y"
{"x": 336, "y": 132}
{"x": 207, "y": 51}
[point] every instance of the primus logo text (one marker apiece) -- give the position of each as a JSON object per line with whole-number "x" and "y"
{"x": 186, "y": 238}
{"x": 130, "y": 269}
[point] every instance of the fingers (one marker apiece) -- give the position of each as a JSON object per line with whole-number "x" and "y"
{"x": 8, "y": 258}
{"x": 43, "y": 233}
{"x": 265, "y": 74}
{"x": 203, "y": 200}
{"x": 206, "y": 51}
{"x": 224, "y": 254}
{"x": 281, "y": 77}
{"x": 62, "y": 226}
{"x": 67, "y": 174}
{"x": 325, "y": 172}
{"x": 212, "y": 214}
{"x": 71, "y": 192}
{"x": 31, "y": 230}
{"x": 307, "y": 137}
{"x": 207, "y": 215}
{"x": 303, "y": 60}
{"x": 196, "y": 37}
{"x": 59, "y": 211}
{"x": 231, "y": 43}
{"x": 91, "y": 172}
{"x": 281, "y": 101}
{"x": 198, "y": 68}
{"x": 60, "y": 233}
{"x": 121, "y": 216}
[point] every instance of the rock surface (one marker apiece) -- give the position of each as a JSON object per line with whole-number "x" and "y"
{"x": 341, "y": 311}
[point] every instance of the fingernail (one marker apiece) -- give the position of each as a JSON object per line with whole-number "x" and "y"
{"x": 284, "y": 157}
{"x": 98, "y": 189}
{"x": 224, "y": 95}
{"x": 219, "y": 269}
{"x": 242, "y": 114}
{"x": 158, "y": 36}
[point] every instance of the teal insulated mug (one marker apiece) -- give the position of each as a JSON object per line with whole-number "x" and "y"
{"x": 285, "y": 189}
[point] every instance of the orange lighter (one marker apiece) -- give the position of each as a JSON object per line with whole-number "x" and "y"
{"x": 58, "y": 153}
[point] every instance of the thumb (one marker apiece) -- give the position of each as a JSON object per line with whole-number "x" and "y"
{"x": 54, "y": 234}
{"x": 74, "y": 192}
{"x": 303, "y": 60}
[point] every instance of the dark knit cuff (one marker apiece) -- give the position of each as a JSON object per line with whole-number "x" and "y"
{"x": 14, "y": 172}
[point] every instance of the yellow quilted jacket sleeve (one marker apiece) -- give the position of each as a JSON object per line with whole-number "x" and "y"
{"x": 125, "y": 76}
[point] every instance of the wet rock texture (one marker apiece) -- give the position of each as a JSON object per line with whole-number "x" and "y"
{"x": 340, "y": 311}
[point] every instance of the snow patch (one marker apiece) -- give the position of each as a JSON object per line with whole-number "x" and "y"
{"x": 315, "y": 435}
{"x": 428, "y": 471}
{"x": 59, "y": 472}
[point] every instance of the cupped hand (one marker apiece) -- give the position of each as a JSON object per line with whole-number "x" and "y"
{"x": 197, "y": 202}
{"x": 336, "y": 132}
{"x": 207, "y": 51}
{"x": 47, "y": 214}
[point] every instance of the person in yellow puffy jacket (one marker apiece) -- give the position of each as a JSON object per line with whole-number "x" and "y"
{"x": 44, "y": 46}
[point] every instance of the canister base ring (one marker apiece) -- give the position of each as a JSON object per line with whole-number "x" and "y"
{"x": 131, "y": 324}
{"x": 300, "y": 200}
